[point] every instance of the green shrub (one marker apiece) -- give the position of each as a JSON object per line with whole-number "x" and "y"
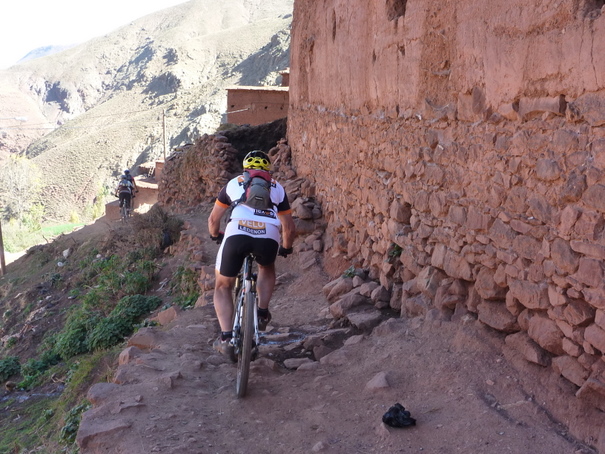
{"x": 50, "y": 358}
{"x": 121, "y": 322}
{"x": 71, "y": 341}
{"x": 8, "y": 367}
{"x": 94, "y": 298}
{"x": 394, "y": 250}
{"x": 55, "y": 280}
{"x": 135, "y": 282}
{"x": 35, "y": 367}
{"x": 184, "y": 287}
{"x": 108, "y": 332}
{"x": 111, "y": 281}
{"x": 349, "y": 272}
{"x": 136, "y": 305}
{"x": 97, "y": 268}
{"x": 11, "y": 342}
{"x": 147, "y": 267}
{"x": 33, "y": 370}
{"x": 72, "y": 422}
{"x": 135, "y": 255}
{"x": 186, "y": 301}
{"x": 74, "y": 217}
{"x": 30, "y": 381}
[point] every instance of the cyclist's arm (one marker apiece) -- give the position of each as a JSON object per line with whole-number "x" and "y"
{"x": 288, "y": 229}
{"x": 214, "y": 220}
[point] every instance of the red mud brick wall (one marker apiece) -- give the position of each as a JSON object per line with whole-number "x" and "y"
{"x": 466, "y": 142}
{"x": 256, "y": 105}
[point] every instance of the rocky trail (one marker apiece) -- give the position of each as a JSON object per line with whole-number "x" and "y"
{"x": 323, "y": 384}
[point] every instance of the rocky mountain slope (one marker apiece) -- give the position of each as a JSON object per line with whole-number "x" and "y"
{"x": 99, "y": 107}
{"x": 43, "y": 52}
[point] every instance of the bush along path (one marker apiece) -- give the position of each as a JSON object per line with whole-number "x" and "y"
{"x": 333, "y": 364}
{"x": 66, "y": 307}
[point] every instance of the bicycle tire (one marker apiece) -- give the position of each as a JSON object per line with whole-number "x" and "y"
{"x": 244, "y": 356}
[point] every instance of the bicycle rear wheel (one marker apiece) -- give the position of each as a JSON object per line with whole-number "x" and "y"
{"x": 244, "y": 356}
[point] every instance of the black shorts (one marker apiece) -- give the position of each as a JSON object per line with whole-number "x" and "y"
{"x": 237, "y": 247}
{"x": 125, "y": 197}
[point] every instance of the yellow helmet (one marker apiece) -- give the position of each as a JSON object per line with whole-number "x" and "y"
{"x": 257, "y": 160}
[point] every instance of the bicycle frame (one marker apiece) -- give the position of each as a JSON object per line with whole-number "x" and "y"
{"x": 245, "y": 338}
{"x": 125, "y": 210}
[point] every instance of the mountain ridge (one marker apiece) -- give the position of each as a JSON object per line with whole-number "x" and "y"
{"x": 44, "y": 51}
{"x": 108, "y": 111}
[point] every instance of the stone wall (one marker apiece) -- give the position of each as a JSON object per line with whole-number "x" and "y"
{"x": 458, "y": 151}
{"x": 195, "y": 173}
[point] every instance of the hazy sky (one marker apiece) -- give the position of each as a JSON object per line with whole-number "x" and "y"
{"x": 29, "y": 24}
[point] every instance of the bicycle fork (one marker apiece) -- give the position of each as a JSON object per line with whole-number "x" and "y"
{"x": 248, "y": 286}
{"x": 252, "y": 286}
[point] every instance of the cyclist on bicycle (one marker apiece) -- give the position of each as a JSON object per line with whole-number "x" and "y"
{"x": 124, "y": 191}
{"x": 248, "y": 230}
{"x": 130, "y": 178}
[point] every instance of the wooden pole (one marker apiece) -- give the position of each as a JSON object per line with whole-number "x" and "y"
{"x": 2, "y": 262}
{"x": 164, "y": 129}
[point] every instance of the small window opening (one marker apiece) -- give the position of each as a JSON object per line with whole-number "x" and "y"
{"x": 333, "y": 25}
{"x": 591, "y": 8}
{"x": 396, "y": 9}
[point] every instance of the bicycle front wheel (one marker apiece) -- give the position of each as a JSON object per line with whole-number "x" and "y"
{"x": 244, "y": 356}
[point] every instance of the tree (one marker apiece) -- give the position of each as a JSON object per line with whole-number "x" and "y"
{"x": 19, "y": 187}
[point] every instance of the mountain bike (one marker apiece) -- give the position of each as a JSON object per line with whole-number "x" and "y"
{"x": 125, "y": 211}
{"x": 245, "y": 324}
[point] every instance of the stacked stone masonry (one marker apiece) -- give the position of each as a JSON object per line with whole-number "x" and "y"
{"x": 510, "y": 214}
{"x": 468, "y": 148}
{"x": 197, "y": 173}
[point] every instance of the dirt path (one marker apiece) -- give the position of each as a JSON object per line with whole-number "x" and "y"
{"x": 177, "y": 396}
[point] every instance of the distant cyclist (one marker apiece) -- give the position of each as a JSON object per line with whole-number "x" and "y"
{"x": 132, "y": 180}
{"x": 249, "y": 230}
{"x": 124, "y": 191}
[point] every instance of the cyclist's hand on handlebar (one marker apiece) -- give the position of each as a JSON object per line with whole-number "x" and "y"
{"x": 284, "y": 252}
{"x": 218, "y": 238}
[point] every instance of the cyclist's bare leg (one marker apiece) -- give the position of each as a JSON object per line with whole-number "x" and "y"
{"x": 265, "y": 285}
{"x": 223, "y": 300}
